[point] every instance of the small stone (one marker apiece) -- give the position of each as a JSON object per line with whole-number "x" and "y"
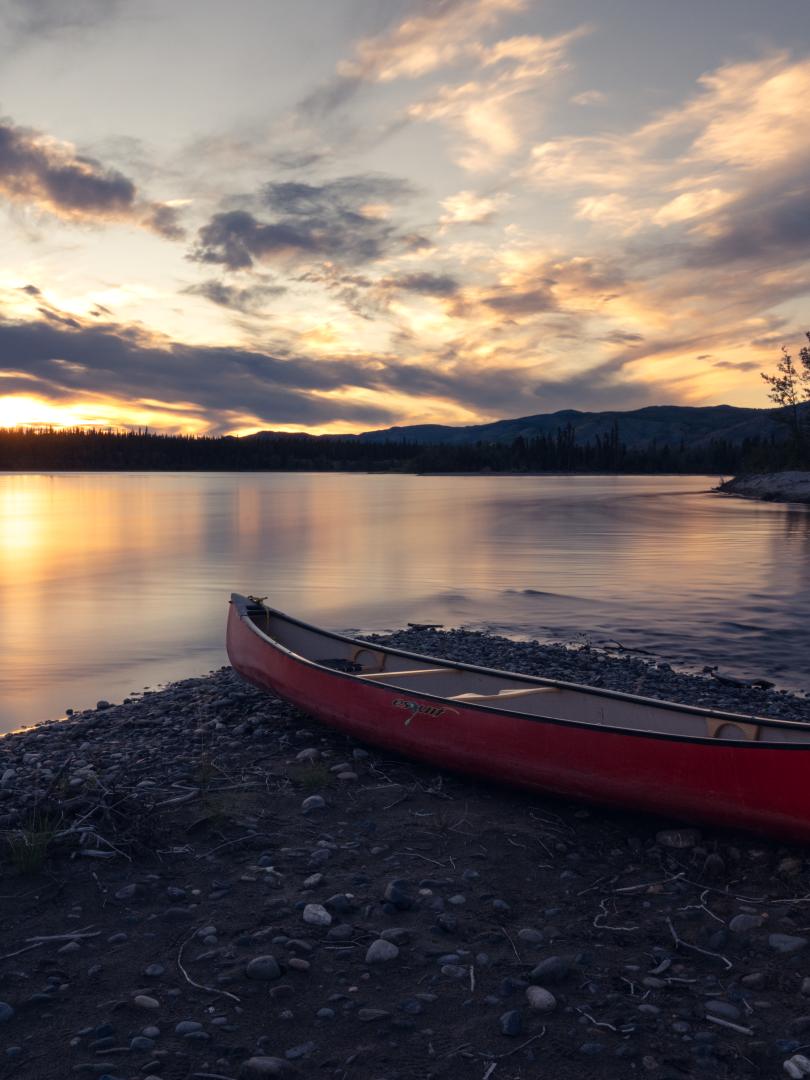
{"x": 6, "y": 1012}
{"x": 678, "y": 838}
{"x": 551, "y": 970}
{"x": 592, "y": 1048}
{"x": 380, "y": 951}
{"x": 370, "y": 1015}
{"x": 512, "y": 1022}
{"x": 257, "y": 1067}
{"x": 398, "y": 934}
{"x": 187, "y": 1027}
{"x": 530, "y": 935}
{"x": 127, "y": 892}
{"x": 141, "y": 1042}
{"x": 310, "y": 754}
{"x": 143, "y": 1001}
{"x": 299, "y": 1051}
{"x": 541, "y": 999}
{"x": 398, "y": 894}
{"x": 71, "y": 947}
{"x": 806, "y": 986}
{"x": 786, "y": 943}
{"x": 714, "y": 866}
{"x": 103, "y": 704}
{"x": 297, "y": 963}
{"x": 755, "y": 981}
{"x": 742, "y": 923}
{"x": 313, "y": 802}
{"x": 724, "y": 1009}
{"x": 789, "y": 866}
{"x": 154, "y": 971}
{"x": 264, "y": 968}
{"x": 317, "y": 915}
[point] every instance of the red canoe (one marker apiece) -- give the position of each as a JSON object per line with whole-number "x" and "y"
{"x": 551, "y": 736}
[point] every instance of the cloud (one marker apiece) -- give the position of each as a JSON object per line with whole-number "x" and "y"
{"x": 589, "y": 97}
{"x": 68, "y": 360}
{"x": 426, "y": 284}
{"x": 467, "y": 208}
{"x": 51, "y": 176}
{"x": 491, "y": 110}
{"x": 527, "y": 302}
{"x": 73, "y": 359}
{"x": 768, "y": 223}
{"x": 437, "y": 34}
{"x": 440, "y": 33}
{"x": 42, "y": 19}
{"x": 338, "y": 220}
{"x": 249, "y": 300}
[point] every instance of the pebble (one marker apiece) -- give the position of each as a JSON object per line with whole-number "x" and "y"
{"x": 551, "y": 970}
{"x": 398, "y": 893}
{"x": 313, "y": 802}
{"x": 6, "y": 1012}
{"x": 741, "y": 924}
{"x": 316, "y": 915}
{"x": 370, "y": 1015}
{"x": 511, "y": 1022}
{"x": 258, "y": 1067}
{"x": 143, "y": 1001}
{"x": 265, "y": 968}
{"x": 187, "y": 1027}
{"x": 724, "y": 1009}
{"x": 541, "y": 999}
{"x": 678, "y": 838}
{"x": 381, "y": 951}
{"x": 786, "y": 943}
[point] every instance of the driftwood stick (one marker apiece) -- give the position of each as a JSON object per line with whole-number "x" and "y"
{"x": 705, "y": 952}
{"x": 191, "y": 982}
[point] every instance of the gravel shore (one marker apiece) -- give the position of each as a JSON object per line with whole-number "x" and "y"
{"x": 789, "y": 486}
{"x": 204, "y": 883}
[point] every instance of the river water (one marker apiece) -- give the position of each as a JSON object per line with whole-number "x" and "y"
{"x": 113, "y": 582}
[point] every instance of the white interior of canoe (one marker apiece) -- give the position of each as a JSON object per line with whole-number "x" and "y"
{"x": 519, "y": 694}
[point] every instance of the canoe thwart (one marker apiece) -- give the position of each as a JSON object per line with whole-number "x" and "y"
{"x": 377, "y": 675}
{"x": 507, "y": 694}
{"x": 718, "y": 728}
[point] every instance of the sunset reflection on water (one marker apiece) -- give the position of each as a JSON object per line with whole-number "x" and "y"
{"x": 112, "y": 582}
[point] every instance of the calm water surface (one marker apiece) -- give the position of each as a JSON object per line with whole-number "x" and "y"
{"x": 113, "y": 582}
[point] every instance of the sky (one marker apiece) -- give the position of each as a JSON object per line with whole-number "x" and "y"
{"x": 342, "y": 215}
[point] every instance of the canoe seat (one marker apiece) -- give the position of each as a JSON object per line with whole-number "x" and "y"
{"x": 507, "y": 694}
{"x": 378, "y": 676}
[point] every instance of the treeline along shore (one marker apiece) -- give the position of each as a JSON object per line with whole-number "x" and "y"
{"x": 562, "y": 451}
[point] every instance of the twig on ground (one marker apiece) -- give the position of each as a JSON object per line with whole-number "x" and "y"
{"x": 595, "y": 1022}
{"x": 728, "y": 1024}
{"x": 648, "y": 884}
{"x": 679, "y": 941}
{"x": 506, "y": 934}
{"x": 603, "y": 925}
{"x": 191, "y": 982}
{"x": 499, "y": 1057}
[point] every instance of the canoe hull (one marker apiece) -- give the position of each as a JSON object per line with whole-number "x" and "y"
{"x": 756, "y": 787}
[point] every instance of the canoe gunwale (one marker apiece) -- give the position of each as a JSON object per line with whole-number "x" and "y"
{"x": 241, "y": 604}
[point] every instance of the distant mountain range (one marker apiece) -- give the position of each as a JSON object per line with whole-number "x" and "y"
{"x": 638, "y": 429}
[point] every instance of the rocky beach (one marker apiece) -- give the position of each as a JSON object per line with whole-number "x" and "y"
{"x": 202, "y": 883}
{"x": 788, "y": 486}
